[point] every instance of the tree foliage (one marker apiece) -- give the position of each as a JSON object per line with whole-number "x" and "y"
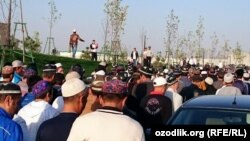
{"x": 238, "y": 54}
{"x": 33, "y": 44}
{"x": 171, "y": 32}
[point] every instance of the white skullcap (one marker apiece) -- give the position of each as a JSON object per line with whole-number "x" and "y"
{"x": 228, "y": 78}
{"x": 209, "y": 81}
{"x": 100, "y": 72}
{"x": 72, "y": 87}
{"x": 58, "y": 65}
{"x": 72, "y": 74}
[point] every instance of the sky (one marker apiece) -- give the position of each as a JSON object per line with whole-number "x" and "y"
{"x": 230, "y": 19}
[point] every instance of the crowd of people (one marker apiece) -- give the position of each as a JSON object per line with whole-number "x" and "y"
{"x": 118, "y": 102}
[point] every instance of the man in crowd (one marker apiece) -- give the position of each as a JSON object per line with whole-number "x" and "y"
{"x": 38, "y": 110}
{"x": 18, "y": 71}
{"x": 93, "y": 50}
{"x": 134, "y": 56}
{"x": 108, "y": 123}
{"x": 171, "y": 92}
{"x": 157, "y": 108}
{"x": 149, "y": 56}
{"x": 228, "y": 88}
{"x": 74, "y": 99}
{"x": 73, "y": 42}
{"x": 10, "y": 95}
{"x": 7, "y": 73}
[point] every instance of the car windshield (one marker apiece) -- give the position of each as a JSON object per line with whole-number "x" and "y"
{"x": 211, "y": 117}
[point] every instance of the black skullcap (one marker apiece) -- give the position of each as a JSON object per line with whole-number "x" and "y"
{"x": 9, "y": 88}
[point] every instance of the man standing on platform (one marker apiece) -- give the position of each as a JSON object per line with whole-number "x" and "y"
{"x": 134, "y": 56}
{"x": 93, "y": 49}
{"x": 73, "y": 42}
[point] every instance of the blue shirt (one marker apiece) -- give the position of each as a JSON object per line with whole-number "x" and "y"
{"x": 9, "y": 129}
{"x": 16, "y": 78}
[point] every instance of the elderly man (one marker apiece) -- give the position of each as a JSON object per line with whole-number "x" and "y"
{"x": 75, "y": 99}
{"x": 10, "y": 95}
{"x": 228, "y": 88}
{"x": 7, "y": 74}
{"x": 108, "y": 123}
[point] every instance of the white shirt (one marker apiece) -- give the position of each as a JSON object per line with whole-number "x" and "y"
{"x": 175, "y": 98}
{"x": 106, "y": 125}
{"x": 94, "y": 46}
{"x": 134, "y": 55}
{"x": 145, "y": 54}
{"x": 58, "y": 103}
{"x": 34, "y": 114}
{"x": 149, "y": 53}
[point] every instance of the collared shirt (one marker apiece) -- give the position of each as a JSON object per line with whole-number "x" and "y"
{"x": 9, "y": 129}
{"x": 106, "y": 124}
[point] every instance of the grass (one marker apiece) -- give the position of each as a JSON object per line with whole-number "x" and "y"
{"x": 42, "y": 59}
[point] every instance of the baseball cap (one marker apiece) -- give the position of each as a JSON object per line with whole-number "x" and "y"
{"x": 41, "y": 87}
{"x": 9, "y": 88}
{"x": 72, "y": 87}
{"x": 17, "y": 63}
{"x": 159, "y": 81}
{"x": 228, "y": 78}
{"x": 114, "y": 87}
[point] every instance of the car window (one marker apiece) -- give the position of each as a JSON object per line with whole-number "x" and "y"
{"x": 210, "y": 117}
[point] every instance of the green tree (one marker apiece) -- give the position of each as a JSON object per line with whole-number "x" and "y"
{"x": 215, "y": 42}
{"x": 33, "y": 44}
{"x": 171, "y": 31}
{"x": 200, "y": 34}
{"x": 238, "y": 54}
{"x": 116, "y": 14}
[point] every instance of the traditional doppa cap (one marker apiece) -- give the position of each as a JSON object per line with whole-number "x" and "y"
{"x": 72, "y": 74}
{"x": 72, "y": 87}
{"x": 9, "y": 88}
{"x": 228, "y": 78}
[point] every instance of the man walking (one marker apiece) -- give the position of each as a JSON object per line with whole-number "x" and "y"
{"x": 73, "y": 42}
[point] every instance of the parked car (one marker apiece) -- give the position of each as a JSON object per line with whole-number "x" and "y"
{"x": 213, "y": 110}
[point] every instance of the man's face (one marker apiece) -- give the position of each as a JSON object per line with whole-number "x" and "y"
{"x": 60, "y": 70}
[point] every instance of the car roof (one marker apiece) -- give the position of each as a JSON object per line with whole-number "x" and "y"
{"x": 220, "y": 102}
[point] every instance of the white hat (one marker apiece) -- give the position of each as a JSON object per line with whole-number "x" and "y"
{"x": 58, "y": 65}
{"x": 103, "y": 64}
{"x": 74, "y": 30}
{"x": 209, "y": 81}
{"x": 17, "y": 63}
{"x": 165, "y": 71}
{"x": 228, "y": 78}
{"x": 203, "y": 72}
{"x": 72, "y": 87}
{"x": 159, "y": 81}
{"x": 100, "y": 72}
{"x": 71, "y": 75}
{"x": 246, "y": 75}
